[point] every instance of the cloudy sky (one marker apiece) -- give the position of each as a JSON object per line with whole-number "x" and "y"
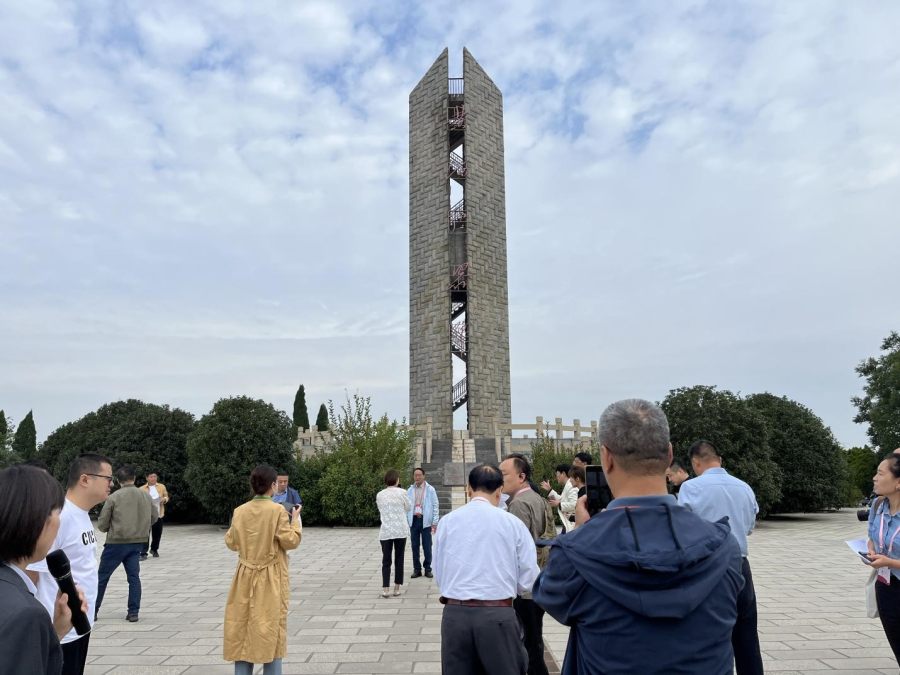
{"x": 207, "y": 199}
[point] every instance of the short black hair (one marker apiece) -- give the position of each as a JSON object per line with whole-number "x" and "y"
{"x": 521, "y": 464}
{"x": 419, "y": 468}
{"x": 584, "y": 457}
{"x": 677, "y": 466}
{"x": 87, "y": 463}
{"x": 703, "y": 449}
{"x": 261, "y": 479}
{"x": 391, "y": 477}
{"x": 894, "y": 464}
{"x": 125, "y": 474}
{"x": 485, "y": 478}
{"x": 28, "y": 495}
{"x": 563, "y": 468}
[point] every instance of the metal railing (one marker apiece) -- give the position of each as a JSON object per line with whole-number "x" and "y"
{"x": 458, "y": 215}
{"x": 460, "y": 393}
{"x": 458, "y": 338}
{"x": 459, "y": 277}
{"x": 456, "y": 86}
{"x": 458, "y": 168}
{"x": 456, "y": 117}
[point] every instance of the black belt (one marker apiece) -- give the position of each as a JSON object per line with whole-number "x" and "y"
{"x": 506, "y": 602}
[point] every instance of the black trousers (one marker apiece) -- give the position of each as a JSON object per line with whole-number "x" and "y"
{"x": 481, "y": 641}
{"x": 155, "y": 535}
{"x": 75, "y": 655}
{"x": 397, "y": 546}
{"x": 887, "y": 596}
{"x": 531, "y": 619}
{"x": 744, "y": 636}
{"x": 418, "y": 532}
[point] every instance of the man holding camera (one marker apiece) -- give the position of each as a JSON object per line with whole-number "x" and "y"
{"x": 647, "y": 587}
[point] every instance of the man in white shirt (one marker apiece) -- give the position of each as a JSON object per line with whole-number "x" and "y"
{"x": 483, "y": 558}
{"x": 565, "y": 501}
{"x": 89, "y": 481}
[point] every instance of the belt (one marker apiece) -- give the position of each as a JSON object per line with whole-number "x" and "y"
{"x": 506, "y": 602}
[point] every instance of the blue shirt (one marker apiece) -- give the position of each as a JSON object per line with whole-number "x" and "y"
{"x": 883, "y": 528}
{"x": 716, "y": 494}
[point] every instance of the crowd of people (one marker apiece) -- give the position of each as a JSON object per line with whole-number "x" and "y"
{"x": 664, "y": 563}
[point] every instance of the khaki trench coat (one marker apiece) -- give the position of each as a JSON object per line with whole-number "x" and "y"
{"x": 257, "y": 607}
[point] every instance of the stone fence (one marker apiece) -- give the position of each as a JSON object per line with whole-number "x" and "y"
{"x": 565, "y": 435}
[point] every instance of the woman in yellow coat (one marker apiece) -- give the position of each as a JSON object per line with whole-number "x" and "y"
{"x": 257, "y": 607}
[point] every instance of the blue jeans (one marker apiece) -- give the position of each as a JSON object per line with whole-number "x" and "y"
{"x": 422, "y": 532}
{"x": 246, "y": 668}
{"x": 127, "y": 555}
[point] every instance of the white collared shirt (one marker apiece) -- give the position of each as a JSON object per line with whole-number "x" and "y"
{"x": 483, "y": 553}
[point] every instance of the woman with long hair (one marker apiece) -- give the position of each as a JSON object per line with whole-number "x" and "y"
{"x": 393, "y": 503}
{"x": 256, "y": 611}
{"x": 30, "y": 502}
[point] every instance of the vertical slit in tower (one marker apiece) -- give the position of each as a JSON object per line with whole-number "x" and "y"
{"x": 457, "y": 227}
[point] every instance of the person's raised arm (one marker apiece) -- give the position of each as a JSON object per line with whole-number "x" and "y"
{"x": 289, "y": 529}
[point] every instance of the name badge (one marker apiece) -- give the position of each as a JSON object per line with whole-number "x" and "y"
{"x": 418, "y": 510}
{"x": 884, "y": 575}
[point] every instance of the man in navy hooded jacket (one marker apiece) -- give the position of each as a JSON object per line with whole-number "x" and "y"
{"x": 645, "y": 585}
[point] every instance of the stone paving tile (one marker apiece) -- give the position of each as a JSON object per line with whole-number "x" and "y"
{"x": 812, "y": 620}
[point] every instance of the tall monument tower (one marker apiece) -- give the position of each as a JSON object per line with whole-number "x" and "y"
{"x": 458, "y": 300}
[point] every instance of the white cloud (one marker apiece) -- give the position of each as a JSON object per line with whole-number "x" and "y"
{"x": 199, "y": 200}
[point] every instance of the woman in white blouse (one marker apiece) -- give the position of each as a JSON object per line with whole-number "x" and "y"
{"x": 393, "y": 503}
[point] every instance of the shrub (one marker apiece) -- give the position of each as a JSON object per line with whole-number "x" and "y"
{"x": 352, "y": 473}
{"x": 234, "y": 437}
{"x": 547, "y": 453}
{"x": 148, "y": 436}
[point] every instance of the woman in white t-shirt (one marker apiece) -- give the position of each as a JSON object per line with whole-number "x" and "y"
{"x": 393, "y": 503}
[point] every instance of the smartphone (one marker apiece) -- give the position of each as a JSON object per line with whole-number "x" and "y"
{"x": 597, "y": 489}
{"x": 865, "y": 556}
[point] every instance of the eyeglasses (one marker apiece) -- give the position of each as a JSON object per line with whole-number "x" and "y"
{"x": 108, "y": 479}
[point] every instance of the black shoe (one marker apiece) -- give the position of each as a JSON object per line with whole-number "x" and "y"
{"x": 132, "y": 618}
{"x": 416, "y": 575}
{"x": 428, "y": 574}
{"x": 143, "y": 556}
{"x": 155, "y": 554}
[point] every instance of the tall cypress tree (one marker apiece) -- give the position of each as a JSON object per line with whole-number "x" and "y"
{"x": 301, "y": 416}
{"x": 322, "y": 418}
{"x": 25, "y": 441}
{"x": 4, "y": 427}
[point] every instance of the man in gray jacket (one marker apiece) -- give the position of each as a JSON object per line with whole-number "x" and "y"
{"x": 126, "y": 518}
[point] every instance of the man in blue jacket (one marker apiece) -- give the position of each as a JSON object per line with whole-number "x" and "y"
{"x": 284, "y": 494}
{"x": 646, "y": 586}
{"x": 423, "y": 519}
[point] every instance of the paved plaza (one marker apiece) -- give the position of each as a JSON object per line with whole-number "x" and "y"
{"x": 810, "y": 587}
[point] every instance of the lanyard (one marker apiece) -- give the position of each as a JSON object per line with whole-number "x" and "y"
{"x": 881, "y": 534}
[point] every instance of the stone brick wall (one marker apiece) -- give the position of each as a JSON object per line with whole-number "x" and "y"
{"x": 430, "y": 367}
{"x": 488, "y": 310}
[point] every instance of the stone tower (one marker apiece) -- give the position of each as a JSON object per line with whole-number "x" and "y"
{"x": 458, "y": 301}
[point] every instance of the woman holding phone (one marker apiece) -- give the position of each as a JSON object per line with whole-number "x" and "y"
{"x": 256, "y": 612}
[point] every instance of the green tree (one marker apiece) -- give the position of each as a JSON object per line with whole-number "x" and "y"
{"x": 739, "y": 433}
{"x": 812, "y": 463}
{"x": 7, "y": 432}
{"x": 25, "y": 441}
{"x": 148, "y": 436}
{"x": 363, "y": 450}
{"x": 547, "y": 454}
{"x": 880, "y": 407}
{"x": 861, "y": 466}
{"x": 234, "y": 437}
{"x": 322, "y": 418}
{"x": 301, "y": 416}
